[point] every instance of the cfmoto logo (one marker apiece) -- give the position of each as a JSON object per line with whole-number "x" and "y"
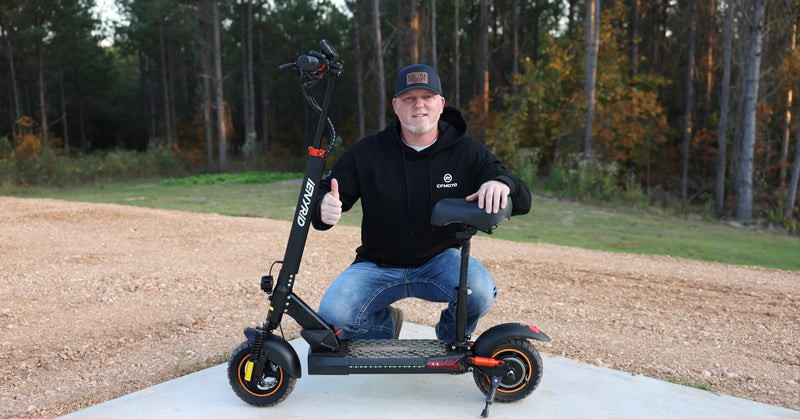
{"x": 448, "y": 182}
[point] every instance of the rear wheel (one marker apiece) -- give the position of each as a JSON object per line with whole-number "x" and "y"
{"x": 273, "y": 386}
{"x": 526, "y": 366}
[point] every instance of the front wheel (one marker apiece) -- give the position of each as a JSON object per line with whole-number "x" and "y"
{"x": 526, "y": 367}
{"x": 273, "y": 386}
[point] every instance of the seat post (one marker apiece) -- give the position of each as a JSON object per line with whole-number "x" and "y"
{"x": 464, "y": 238}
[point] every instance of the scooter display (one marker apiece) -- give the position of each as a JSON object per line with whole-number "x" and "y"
{"x": 263, "y": 370}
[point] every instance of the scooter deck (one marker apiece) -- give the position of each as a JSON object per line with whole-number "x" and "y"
{"x": 386, "y": 356}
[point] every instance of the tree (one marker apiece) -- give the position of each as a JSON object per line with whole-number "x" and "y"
{"x": 376, "y": 22}
{"x": 355, "y": 9}
{"x": 592, "y": 44}
{"x": 206, "y": 51}
{"x": 456, "y": 55}
{"x": 793, "y": 183}
{"x": 744, "y": 207}
{"x": 219, "y": 89}
{"x": 724, "y": 108}
{"x": 434, "y": 58}
{"x": 688, "y": 101}
{"x": 14, "y": 108}
{"x": 248, "y": 87}
{"x": 633, "y": 37}
{"x": 483, "y": 66}
{"x": 788, "y": 118}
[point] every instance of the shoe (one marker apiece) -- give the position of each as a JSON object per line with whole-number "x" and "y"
{"x": 397, "y": 317}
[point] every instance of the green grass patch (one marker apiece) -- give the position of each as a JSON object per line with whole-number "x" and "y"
{"x": 561, "y": 222}
{"x": 700, "y": 384}
{"x": 246, "y": 178}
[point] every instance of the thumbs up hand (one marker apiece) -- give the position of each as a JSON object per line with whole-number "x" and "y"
{"x": 331, "y": 207}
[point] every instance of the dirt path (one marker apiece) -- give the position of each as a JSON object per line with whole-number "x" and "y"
{"x": 97, "y": 301}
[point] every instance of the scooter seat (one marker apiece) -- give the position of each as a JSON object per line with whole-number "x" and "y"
{"x": 459, "y": 210}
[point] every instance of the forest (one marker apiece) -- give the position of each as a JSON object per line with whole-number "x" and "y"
{"x": 681, "y": 102}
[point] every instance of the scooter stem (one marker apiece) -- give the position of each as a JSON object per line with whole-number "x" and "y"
{"x": 302, "y": 217}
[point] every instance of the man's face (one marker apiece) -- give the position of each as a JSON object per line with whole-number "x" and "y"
{"x": 418, "y": 110}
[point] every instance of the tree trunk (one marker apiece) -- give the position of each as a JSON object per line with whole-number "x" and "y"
{"x": 590, "y": 73}
{"x": 456, "y": 55}
{"x": 401, "y": 37}
{"x": 245, "y": 85}
{"x": 744, "y": 208}
{"x": 81, "y": 118}
{"x": 264, "y": 98}
{"x": 483, "y": 85}
{"x": 63, "y": 107}
{"x": 722, "y": 133}
{"x": 166, "y": 86}
{"x": 515, "y": 17}
{"x": 793, "y": 183}
{"x": 708, "y": 68}
{"x": 633, "y": 38}
{"x": 413, "y": 32}
{"x": 379, "y": 62}
{"x": 688, "y": 102}
{"x": 15, "y": 108}
{"x": 42, "y": 93}
{"x": 355, "y": 8}
{"x": 208, "y": 118}
{"x": 788, "y": 121}
{"x": 206, "y": 66}
{"x": 250, "y": 82}
{"x": 434, "y": 61}
{"x": 220, "y": 103}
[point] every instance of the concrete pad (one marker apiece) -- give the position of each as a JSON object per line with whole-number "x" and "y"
{"x": 569, "y": 389}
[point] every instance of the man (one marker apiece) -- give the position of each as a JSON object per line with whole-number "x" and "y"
{"x": 422, "y": 156}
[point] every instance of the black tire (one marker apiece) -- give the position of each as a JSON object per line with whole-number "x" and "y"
{"x": 527, "y": 365}
{"x": 274, "y": 386}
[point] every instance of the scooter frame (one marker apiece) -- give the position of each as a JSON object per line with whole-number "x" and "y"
{"x": 262, "y": 371}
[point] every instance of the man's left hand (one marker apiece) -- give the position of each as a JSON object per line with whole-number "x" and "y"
{"x": 492, "y": 195}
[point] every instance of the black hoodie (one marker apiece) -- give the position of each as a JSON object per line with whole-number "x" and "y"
{"x": 398, "y": 186}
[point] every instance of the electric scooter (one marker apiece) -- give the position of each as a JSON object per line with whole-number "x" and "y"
{"x": 264, "y": 369}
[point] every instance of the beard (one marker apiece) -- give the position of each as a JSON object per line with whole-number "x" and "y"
{"x": 420, "y": 129}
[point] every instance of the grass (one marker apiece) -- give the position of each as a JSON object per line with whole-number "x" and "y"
{"x": 553, "y": 221}
{"x": 699, "y": 384}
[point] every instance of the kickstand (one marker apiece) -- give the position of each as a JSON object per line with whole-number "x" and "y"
{"x": 490, "y": 395}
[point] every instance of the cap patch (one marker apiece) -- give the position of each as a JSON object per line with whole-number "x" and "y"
{"x": 416, "y": 78}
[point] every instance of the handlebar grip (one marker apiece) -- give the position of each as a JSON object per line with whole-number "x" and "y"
{"x": 287, "y": 66}
{"x": 308, "y": 63}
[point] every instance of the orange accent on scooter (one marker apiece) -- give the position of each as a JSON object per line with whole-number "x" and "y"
{"x": 483, "y": 361}
{"x": 316, "y": 152}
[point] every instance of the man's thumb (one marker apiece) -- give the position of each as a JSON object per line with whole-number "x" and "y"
{"x": 335, "y": 188}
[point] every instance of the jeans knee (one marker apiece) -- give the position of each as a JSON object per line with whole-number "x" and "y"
{"x": 335, "y": 313}
{"x": 482, "y": 296}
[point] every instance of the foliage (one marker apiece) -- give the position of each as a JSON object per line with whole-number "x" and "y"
{"x": 49, "y": 168}
{"x": 118, "y": 98}
{"x": 588, "y": 178}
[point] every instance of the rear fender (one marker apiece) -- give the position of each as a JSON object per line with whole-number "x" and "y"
{"x": 279, "y": 351}
{"x": 492, "y": 337}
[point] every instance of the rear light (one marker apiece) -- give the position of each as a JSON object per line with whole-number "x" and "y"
{"x": 444, "y": 364}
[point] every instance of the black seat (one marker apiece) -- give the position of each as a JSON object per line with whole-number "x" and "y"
{"x": 459, "y": 210}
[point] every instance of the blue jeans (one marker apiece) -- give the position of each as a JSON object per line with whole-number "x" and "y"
{"x": 357, "y": 301}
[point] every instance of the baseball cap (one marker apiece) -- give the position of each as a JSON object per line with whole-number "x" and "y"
{"x": 417, "y": 76}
